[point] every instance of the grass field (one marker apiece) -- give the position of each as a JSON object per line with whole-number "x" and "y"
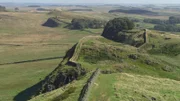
{"x": 78, "y": 84}
{"x": 16, "y": 78}
{"x": 23, "y": 38}
{"x": 131, "y": 87}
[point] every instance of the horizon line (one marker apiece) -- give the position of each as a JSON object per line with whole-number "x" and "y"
{"x": 89, "y": 3}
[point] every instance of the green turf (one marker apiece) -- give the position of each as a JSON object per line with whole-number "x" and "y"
{"x": 131, "y": 87}
{"x": 16, "y": 78}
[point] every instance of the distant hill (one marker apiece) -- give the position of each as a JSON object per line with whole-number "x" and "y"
{"x": 134, "y": 11}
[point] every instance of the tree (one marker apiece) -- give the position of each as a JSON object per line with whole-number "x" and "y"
{"x": 87, "y": 23}
{"x": 2, "y": 8}
{"x": 174, "y": 20}
{"x": 16, "y": 9}
{"x": 113, "y": 27}
{"x": 155, "y": 21}
{"x": 167, "y": 27}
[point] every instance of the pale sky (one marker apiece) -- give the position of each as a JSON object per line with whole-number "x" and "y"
{"x": 97, "y": 1}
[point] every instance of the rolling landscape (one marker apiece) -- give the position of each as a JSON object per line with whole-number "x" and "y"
{"x": 89, "y": 52}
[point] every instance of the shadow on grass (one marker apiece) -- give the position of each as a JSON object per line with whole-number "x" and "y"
{"x": 28, "y": 93}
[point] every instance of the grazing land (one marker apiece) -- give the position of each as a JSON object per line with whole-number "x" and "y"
{"x": 123, "y": 67}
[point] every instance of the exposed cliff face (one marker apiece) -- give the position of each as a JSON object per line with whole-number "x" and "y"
{"x": 131, "y": 37}
{"x": 61, "y": 77}
{"x": 66, "y": 72}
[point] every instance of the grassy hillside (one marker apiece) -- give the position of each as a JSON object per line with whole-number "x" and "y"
{"x": 22, "y": 37}
{"x": 118, "y": 63}
{"x": 131, "y": 87}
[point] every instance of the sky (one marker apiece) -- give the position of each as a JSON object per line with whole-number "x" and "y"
{"x": 97, "y": 1}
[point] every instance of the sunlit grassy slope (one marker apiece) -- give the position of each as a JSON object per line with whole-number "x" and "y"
{"x": 132, "y": 87}
{"x": 128, "y": 73}
{"x": 22, "y": 37}
{"x": 16, "y": 78}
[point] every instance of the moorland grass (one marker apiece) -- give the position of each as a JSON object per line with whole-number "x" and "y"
{"x": 127, "y": 87}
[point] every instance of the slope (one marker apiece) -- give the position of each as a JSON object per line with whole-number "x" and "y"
{"x": 114, "y": 58}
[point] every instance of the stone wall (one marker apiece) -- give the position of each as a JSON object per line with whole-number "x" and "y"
{"x": 86, "y": 89}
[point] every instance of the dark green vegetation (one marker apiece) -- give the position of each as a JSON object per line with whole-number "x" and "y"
{"x": 169, "y": 25}
{"x": 155, "y": 21}
{"x": 2, "y": 8}
{"x": 113, "y": 27}
{"x": 86, "y": 23}
{"x": 52, "y": 22}
{"x": 34, "y": 6}
{"x": 43, "y": 9}
{"x": 134, "y": 11}
{"x": 172, "y": 20}
{"x": 168, "y": 28}
{"x": 73, "y": 10}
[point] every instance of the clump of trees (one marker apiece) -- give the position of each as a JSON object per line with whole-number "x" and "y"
{"x": 174, "y": 20}
{"x": 52, "y": 22}
{"x": 134, "y": 11}
{"x": 34, "y": 6}
{"x": 16, "y": 9}
{"x": 135, "y": 20}
{"x": 43, "y": 9}
{"x": 168, "y": 28}
{"x": 165, "y": 25}
{"x": 155, "y": 21}
{"x": 171, "y": 20}
{"x": 113, "y": 27}
{"x": 2, "y": 8}
{"x": 73, "y": 10}
{"x": 86, "y": 23}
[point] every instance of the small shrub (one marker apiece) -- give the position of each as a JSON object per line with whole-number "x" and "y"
{"x": 133, "y": 56}
{"x": 167, "y": 68}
